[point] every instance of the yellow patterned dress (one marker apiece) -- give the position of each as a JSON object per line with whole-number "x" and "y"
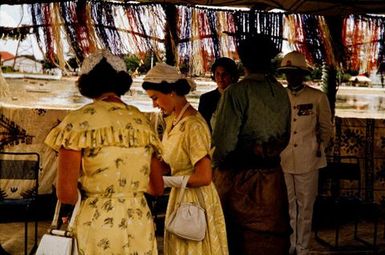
{"x": 184, "y": 145}
{"x": 117, "y": 143}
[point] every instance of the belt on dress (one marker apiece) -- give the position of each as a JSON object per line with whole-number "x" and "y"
{"x": 115, "y": 195}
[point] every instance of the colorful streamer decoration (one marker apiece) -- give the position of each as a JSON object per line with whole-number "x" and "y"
{"x": 201, "y": 37}
{"x": 202, "y": 33}
{"x": 255, "y": 21}
{"x": 362, "y": 36}
{"x": 310, "y": 35}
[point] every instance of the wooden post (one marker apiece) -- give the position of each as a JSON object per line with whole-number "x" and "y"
{"x": 335, "y": 25}
{"x": 171, "y": 36}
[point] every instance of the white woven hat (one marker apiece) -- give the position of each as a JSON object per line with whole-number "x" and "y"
{"x": 164, "y": 72}
{"x": 294, "y": 61}
{"x": 92, "y": 60}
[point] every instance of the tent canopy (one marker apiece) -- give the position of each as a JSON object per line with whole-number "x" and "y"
{"x": 320, "y": 7}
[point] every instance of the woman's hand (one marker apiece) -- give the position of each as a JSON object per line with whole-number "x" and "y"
{"x": 173, "y": 181}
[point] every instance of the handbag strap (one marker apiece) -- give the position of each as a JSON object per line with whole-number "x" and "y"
{"x": 200, "y": 197}
{"x": 183, "y": 189}
{"x": 54, "y": 224}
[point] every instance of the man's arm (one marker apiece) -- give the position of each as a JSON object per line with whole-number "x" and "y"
{"x": 227, "y": 127}
{"x": 325, "y": 120}
{"x": 203, "y": 107}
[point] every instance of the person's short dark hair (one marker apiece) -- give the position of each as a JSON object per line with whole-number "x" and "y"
{"x": 256, "y": 52}
{"x": 229, "y": 65}
{"x": 103, "y": 78}
{"x": 181, "y": 87}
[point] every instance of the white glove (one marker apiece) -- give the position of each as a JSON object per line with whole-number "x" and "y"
{"x": 173, "y": 181}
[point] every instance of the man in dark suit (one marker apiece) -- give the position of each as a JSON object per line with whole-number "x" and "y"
{"x": 224, "y": 72}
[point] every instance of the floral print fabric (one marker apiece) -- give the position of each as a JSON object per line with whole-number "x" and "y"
{"x": 185, "y": 145}
{"x": 117, "y": 143}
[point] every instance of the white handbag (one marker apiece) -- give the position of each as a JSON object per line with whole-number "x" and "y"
{"x": 188, "y": 220}
{"x": 60, "y": 242}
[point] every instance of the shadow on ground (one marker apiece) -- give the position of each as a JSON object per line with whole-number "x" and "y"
{"x": 12, "y": 234}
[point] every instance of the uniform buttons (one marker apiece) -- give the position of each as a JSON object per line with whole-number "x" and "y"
{"x": 294, "y": 119}
{"x": 295, "y": 132}
{"x": 295, "y": 145}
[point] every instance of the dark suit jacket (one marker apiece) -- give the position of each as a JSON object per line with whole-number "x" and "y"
{"x": 208, "y": 103}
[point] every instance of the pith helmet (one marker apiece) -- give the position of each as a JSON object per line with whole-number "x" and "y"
{"x": 294, "y": 61}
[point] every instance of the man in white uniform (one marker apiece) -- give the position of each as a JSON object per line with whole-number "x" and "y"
{"x": 311, "y": 130}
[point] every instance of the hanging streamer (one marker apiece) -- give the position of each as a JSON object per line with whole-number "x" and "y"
{"x": 362, "y": 36}
{"x": 70, "y": 23}
{"x": 185, "y": 32}
{"x": 145, "y": 34}
{"x": 327, "y": 42}
{"x": 56, "y": 31}
{"x": 48, "y": 32}
{"x": 255, "y": 21}
{"x": 102, "y": 14}
{"x": 36, "y": 21}
{"x": 203, "y": 34}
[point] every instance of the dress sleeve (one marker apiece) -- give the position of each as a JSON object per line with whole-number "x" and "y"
{"x": 63, "y": 135}
{"x": 198, "y": 141}
{"x": 75, "y": 133}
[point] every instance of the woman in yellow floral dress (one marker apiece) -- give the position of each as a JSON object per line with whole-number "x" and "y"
{"x": 110, "y": 148}
{"x": 186, "y": 143}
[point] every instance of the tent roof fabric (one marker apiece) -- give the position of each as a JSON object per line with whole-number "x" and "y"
{"x": 5, "y": 55}
{"x": 320, "y": 7}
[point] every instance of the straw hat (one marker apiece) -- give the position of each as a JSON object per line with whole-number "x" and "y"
{"x": 294, "y": 61}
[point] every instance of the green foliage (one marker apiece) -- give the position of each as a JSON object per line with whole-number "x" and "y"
{"x": 146, "y": 65}
{"x": 147, "y": 60}
{"x": 73, "y": 63}
{"x": 132, "y": 62}
{"x": 324, "y": 78}
{"x": 352, "y": 72}
{"x": 345, "y": 77}
{"x": 47, "y": 64}
{"x": 7, "y": 69}
{"x": 184, "y": 68}
{"x": 316, "y": 74}
{"x": 276, "y": 63}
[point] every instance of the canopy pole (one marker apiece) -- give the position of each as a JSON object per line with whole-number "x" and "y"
{"x": 331, "y": 83}
{"x": 171, "y": 36}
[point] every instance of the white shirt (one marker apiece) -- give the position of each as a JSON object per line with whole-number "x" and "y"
{"x": 311, "y": 130}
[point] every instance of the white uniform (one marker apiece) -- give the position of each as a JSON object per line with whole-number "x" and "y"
{"x": 311, "y": 130}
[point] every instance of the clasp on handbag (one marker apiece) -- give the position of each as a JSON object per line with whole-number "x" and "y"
{"x": 58, "y": 232}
